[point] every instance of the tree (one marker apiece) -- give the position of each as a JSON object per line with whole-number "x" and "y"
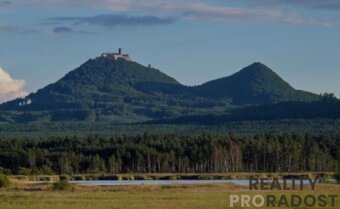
{"x": 329, "y": 97}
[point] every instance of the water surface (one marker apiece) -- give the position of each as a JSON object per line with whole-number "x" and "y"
{"x": 160, "y": 182}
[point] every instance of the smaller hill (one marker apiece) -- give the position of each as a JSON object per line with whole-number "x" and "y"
{"x": 255, "y": 84}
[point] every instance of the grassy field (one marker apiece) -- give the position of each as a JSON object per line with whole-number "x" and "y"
{"x": 212, "y": 196}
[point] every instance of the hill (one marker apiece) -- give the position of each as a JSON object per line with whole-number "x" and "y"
{"x": 105, "y": 89}
{"x": 255, "y": 84}
{"x": 123, "y": 91}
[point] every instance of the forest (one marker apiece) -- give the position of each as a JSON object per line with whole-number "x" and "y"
{"x": 170, "y": 153}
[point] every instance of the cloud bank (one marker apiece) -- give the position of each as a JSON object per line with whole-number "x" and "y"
{"x": 182, "y": 9}
{"x": 62, "y": 30}
{"x": 111, "y": 20}
{"x": 68, "y": 30}
{"x": 318, "y": 4}
{"x": 10, "y": 88}
{"x": 204, "y": 11}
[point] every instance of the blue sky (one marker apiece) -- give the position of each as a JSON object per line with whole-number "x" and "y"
{"x": 193, "y": 41}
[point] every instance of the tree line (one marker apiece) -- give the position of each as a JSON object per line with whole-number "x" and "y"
{"x": 170, "y": 153}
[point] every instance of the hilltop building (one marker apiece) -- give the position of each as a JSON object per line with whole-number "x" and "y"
{"x": 117, "y": 56}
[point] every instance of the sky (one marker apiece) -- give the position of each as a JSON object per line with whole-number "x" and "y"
{"x": 193, "y": 41}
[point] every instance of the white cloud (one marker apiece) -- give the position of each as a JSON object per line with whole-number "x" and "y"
{"x": 10, "y": 88}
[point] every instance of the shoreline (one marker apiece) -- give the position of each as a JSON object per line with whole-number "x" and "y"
{"x": 172, "y": 176}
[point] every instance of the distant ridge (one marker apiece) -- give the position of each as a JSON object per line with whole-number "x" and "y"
{"x": 322, "y": 109}
{"x": 112, "y": 87}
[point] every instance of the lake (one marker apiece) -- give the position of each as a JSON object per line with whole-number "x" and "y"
{"x": 155, "y": 182}
{"x": 159, "y": 182}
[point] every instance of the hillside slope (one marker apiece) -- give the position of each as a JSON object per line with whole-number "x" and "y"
{"x": 255, "y": 84}
{"x": 325, "y": 108}
{"x": 108, "y": 89}
{"x": 105, "y": 89}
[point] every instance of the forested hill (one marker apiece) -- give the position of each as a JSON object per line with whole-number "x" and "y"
{"x": 105, "y": 89}
{"x": 98, "y": 80}
{"x": 255, "y": 84}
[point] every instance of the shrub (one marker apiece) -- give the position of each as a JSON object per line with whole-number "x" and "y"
{"x": 4, "y": 181}
{"x": 190, "y": 177}
{"x": 110, "y": 177}
{"x": 234, "y": 176}
{"x": 274, "y": 175}
{"x": 5, "y": 171}
{"x": 206, "y": 177}
{"x": 164, "y": 177}
{"x": 173, "y": 177}
{"x": 337, "y": 175}
{"x": 64, "y": 177}
{"x": 140, "y": 178}
{"x": 24, "y": 171}
{"x": 62, "y": 185}
{"x": 79, "y": 178}
{"x": 154, "y": 177}
{"x": 44, "y": 178}
{"x": 219, "y": 177}
{"x": 47, "y": 170}
{"x": 128, "y": 177}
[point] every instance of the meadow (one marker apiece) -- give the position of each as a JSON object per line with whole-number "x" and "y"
{"x": 25, "y": 195}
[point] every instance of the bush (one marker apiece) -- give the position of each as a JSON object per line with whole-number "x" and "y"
{"x": 110, "y": 178}
{"x": 24, "y": 171}
{"x": 45, "y": 170}
{"x": 5, "y": 171}
{"x": 190, "y": 177}
{"x": 234, "y": 176}
{"x": 206, "y": 177}
{"x": 44, "y": 178}
{"x": 64, "y": 177}
{"x": 154, "y": 177}
{"x": 62, "y": 185}
{"x": 141, "y": 178}
{"x": 4, "y": 181}
{"x": 170, "y": 177}
{"x": 128, "y": 178}
{"x": 79, "y": 178}
{"x": 337, "y": 175}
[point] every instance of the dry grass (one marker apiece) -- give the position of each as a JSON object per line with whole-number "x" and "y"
{"x": 210, "y": 196}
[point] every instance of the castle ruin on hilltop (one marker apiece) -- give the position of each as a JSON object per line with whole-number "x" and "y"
{"x": 117, "y": 56}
